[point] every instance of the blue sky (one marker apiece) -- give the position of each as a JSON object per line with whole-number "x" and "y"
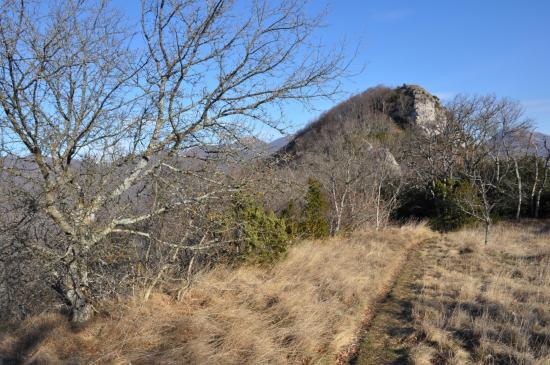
{"x": 448, "y": 47}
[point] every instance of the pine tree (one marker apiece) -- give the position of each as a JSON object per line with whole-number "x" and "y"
{"x": 315, "y": 223}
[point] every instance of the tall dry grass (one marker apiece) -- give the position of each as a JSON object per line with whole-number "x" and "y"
{"x": 302, "y": 310}
{"x": 487, "y": 304}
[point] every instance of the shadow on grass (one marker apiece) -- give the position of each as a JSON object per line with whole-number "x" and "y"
{"x": 26, "y": 343}
{"x": 23, "y": 344}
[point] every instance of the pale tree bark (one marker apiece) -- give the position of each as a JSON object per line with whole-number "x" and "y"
{"x": 487, "y": 230}
{"x": 519, "y": 145}
{"x": 536, "y": 181}
{"x": 378, "y": 201}
{"x": 74, "y": 286}
{"x": 519, "y": 188}
{"x": 361, "y": 176}
{"x": 486, "y": 213}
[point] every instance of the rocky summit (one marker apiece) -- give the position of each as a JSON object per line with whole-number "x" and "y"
{"x": 423, "y": 109}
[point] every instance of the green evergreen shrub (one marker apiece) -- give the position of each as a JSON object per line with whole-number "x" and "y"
{"x": 449, "y": 194}
{"x": 291, "y": 216}
{"x": 315, "y": 223}
{"x": 259, "y": 236}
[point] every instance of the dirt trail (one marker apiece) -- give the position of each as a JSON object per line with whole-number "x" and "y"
{"x": 390, "y": 332}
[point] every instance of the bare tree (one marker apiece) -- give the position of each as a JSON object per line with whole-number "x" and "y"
{"x": 356, "y": 167}
{"x": 486, "y": 126}
{"x": 519, "y": 147}
{"x": 102, "y": 118}
{"x": 434, "y": 153}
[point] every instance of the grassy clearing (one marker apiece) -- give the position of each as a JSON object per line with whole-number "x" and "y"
{"x": 486, "y": 304}
{"x": 303, "y": 310}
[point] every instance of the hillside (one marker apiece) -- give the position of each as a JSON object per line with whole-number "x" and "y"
{"x": 458, "y": 302}
{"x": 381, "y": 113}
{"x": 144, "y": 221}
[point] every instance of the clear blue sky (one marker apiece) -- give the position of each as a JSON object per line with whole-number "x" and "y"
{"x": 448, "y": 47}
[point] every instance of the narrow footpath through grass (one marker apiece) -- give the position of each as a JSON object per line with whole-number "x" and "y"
{"x": 390, "y": 334}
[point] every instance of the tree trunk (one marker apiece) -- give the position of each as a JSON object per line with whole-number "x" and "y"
{"x": 520, "y": 189}
{"x": 537, "y": 204}
{"x": 534, "y": 189}
{"x": 338, "y": 223}
{"x": 336, "y": 207}
{"x": 486, "y": 215}
{"x": 487, "y": 230}
{"x": 541, "y": 189}
{"x": 378, "y": 195}
{"x": 73, "y": 286}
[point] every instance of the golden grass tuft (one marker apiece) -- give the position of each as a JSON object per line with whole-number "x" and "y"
{"x": 488, "y": 304}
{"x": 421, "y": 355}
{"x": 304, "y": 309}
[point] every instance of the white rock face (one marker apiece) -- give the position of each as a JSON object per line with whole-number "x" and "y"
{"x": 426, "y": 109}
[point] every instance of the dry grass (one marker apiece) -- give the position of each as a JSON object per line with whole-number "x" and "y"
{"x": 487, "y": 305}
{"x": 303, "y": 310}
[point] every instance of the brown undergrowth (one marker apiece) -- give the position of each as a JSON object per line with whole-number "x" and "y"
{"x": 305, "y": 309}
{"x": 486, "y": 304}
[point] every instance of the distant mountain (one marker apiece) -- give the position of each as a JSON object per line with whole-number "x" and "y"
{"x": 279, "y": 143}
{"x": 526, "y": 142}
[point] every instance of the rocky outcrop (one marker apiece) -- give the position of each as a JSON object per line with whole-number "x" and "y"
{"x": 421, "y": 108}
